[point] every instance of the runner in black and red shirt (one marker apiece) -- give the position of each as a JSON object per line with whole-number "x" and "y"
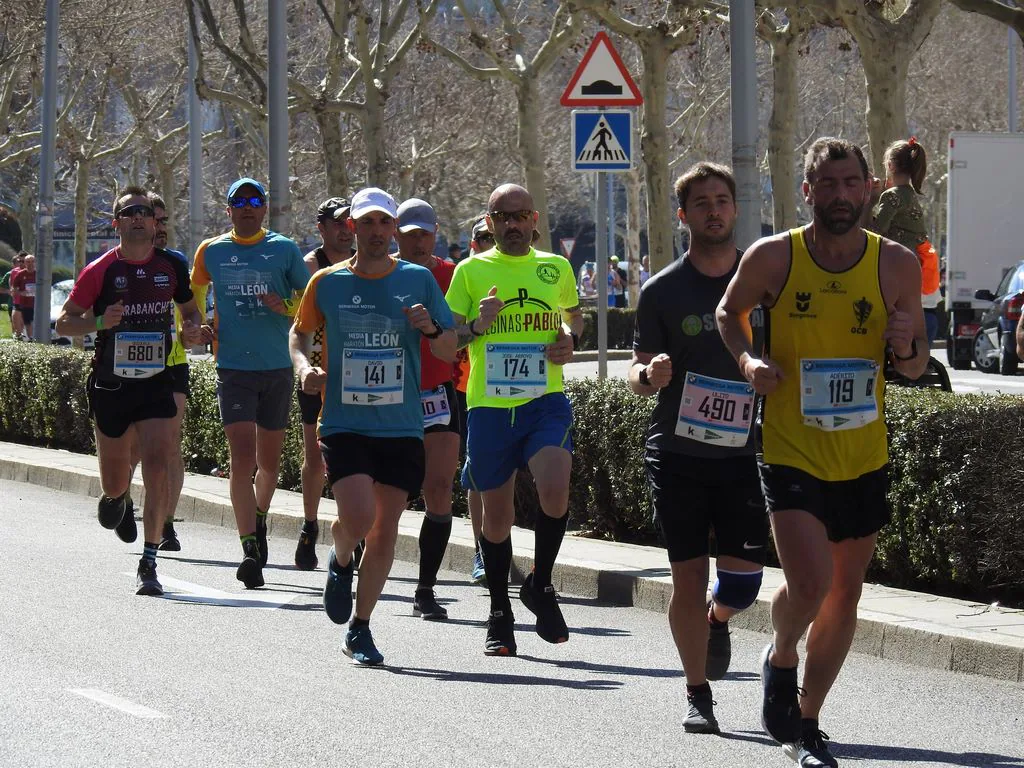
{"x": 127, "y": 296}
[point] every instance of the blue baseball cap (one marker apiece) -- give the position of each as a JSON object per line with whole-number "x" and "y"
{"x": 233, "y": 189}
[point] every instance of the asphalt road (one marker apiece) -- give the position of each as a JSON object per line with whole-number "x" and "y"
{"x": 973, "y": 381}
{"x": 211, "y": 675}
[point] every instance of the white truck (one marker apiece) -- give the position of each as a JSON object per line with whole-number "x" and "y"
{"x": 984, "y": 231}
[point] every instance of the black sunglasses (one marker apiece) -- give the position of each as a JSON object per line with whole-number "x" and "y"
{"x": 130, "y": 211}
{"x": 506, "y": 216}
{"x": 240, "y": 202}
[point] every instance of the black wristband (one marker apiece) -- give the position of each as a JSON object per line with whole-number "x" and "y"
{"x": 642, "y": 376}
{"x": 911, "y": 356}
{"x": 438, "y": 330}
{"x": 472, "y": 330}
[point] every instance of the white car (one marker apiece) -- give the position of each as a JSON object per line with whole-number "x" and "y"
{"x": 58, "y": 295}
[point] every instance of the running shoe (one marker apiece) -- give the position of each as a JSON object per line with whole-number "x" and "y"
{"x": 719, "y": 649}
{"x": 543, "y": 603}
{"x": 146, "y": 579}
{"x": 110, "y": 511}
{"x": 169, "y": 539}
{"x": 338, "y": 590}
{"x": 250, "y": 572}
{"x": 700, "y": 717}
{"x": 127, "y": 531}
{"x": 357, "y": 553}
{"x": 780, "y": 707}
{"x": 501, "y": 636}
{"x": 305, "y": 551}
{"x": 425, "y": 604}
{"x": 360, "y": 648}
{"x": 261, "y": 539}
{"x": 811, "y": 751}
{"x": 478, "y": 575}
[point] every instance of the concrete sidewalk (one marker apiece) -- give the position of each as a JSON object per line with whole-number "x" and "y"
{"x": 894, "y": 624}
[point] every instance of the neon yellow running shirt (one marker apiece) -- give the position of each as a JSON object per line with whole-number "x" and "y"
{"x": 507, "y": 365}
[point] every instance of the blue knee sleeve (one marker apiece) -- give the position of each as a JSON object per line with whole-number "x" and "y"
{"x": 736, "y": 590}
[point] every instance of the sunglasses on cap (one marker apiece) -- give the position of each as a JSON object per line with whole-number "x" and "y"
{"x": 131, "y": 211}
{"x": 506, "y": 216}
{"x": 241, "y": 202}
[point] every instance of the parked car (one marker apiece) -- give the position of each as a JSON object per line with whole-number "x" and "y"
{"x": 58, "y": 295}
{"x": 995, "y": 345}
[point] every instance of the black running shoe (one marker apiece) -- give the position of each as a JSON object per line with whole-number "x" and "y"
{"x": 110, "y": 512}
{"x": 305, "y": 551}
{"x": 250, "y": 572}
{"x": 501, "y": 636}
{"x": 543, "y": 603}
{"x": 338, "y": 590}
{"x": 780, "y": 707}
{"x": 700, "y": 717}
{"x": 811, "y": 751}
{"x": 127, "y": 531}
{"x": 261, "y": 540}
{"x": 169, "y": 539}
{"x": 425, "y": 604}
{"x": 357, "y": 553}
{"x": 146, "y": 579}
{"x": 719, "y": 649}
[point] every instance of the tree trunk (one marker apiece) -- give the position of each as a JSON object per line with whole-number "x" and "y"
{"x": 654, "y": 150}
{"x": 631, "y": 181}
{"x": 531, "y": 154}
{"x": 83, "y": 168}
{"x": 165, "y": 173}
{"x": 782, "y": 132}
{"x": 885, "y": 73}
{"x": 329, "y": 125}
{"x": 28, "y": 198}
{"x": 373, "y": 138}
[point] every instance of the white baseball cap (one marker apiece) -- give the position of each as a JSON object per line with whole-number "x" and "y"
{"x": 372, "y": 199}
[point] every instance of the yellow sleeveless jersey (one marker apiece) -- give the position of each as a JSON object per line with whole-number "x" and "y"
{"x": 825, "y": 332}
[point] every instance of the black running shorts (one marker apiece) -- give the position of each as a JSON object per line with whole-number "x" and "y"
{"x": 116, "y": 405}
{"x": 396, "y": 461}
{"x": 694, "y": 497}
{"x": 849, "y": 509}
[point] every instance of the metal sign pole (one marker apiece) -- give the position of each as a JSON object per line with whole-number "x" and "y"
{"x": 602, "y": 276}
{"x": 47, "y": 156}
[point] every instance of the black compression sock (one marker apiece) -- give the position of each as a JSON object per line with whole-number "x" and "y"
{"x": 434, "y": 535}
{"x": 548, "y": 534}
{"x": 497, "y": 561}
{"x": 355, "y": 623}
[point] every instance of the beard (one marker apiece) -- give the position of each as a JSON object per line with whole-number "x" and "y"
{"x": 706, "y": 239}
{"x": 832, "y": 221}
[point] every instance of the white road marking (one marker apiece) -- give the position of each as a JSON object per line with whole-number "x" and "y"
{"x": 116, "y": 702}
{"x": 187, "y": 592}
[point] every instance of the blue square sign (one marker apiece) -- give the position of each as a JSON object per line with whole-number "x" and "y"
{"x": 602, "y": 139}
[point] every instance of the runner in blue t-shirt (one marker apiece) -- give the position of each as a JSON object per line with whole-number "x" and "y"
{"x": 374, "y": 310}
{"x": 255, "y": 274}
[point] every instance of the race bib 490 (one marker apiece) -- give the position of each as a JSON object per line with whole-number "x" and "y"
{"x": 715, "y": 411}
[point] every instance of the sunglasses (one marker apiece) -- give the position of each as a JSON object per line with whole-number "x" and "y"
{"x": 505, "y": 217}
{"x": 482, "y": 239}
{"x": 240, "y": 202}
{"x": 131, "y": 211}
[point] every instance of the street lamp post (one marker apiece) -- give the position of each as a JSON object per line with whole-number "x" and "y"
{"x": 47, "y": 153}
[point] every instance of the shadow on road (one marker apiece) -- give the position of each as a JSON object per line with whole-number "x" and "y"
{"x": 610, "y": 669}
{"x": 451, "y": 676}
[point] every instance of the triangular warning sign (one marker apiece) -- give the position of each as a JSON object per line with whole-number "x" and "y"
{"x": 602, "y": 145}
{"x": 601, "y": 79}
{"x": 568, "y": 244}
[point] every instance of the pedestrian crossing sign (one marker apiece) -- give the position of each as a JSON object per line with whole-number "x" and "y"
{"x": 602, "y": 139}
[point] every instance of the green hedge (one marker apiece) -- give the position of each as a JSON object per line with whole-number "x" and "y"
{"x": 956, "y": 470}
{"x": 620, "y": 328}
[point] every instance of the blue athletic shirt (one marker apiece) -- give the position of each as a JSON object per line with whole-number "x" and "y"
{"x": 370, "y": 352}
{"x": 250, "y": 336}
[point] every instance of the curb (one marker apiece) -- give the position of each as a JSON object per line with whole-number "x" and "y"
{"x": 881, "y": 632}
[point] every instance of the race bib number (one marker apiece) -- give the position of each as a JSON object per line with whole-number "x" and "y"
{"x": 30, "y": 289}
{"x": 715, "y": 411}
{"x": 516, "y": 370}
{"x": 437, "y": 411}
{"x": 373, "y": 377}
{"x": 839, "y": 393}
{"x": 138, "y": 355}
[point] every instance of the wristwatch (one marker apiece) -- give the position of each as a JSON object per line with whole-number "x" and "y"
{"x": 642, "y": 376}
{"x": 438, "y": 330}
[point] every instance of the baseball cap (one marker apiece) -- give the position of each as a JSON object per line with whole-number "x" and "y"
{"x": 373, "y": 199}
{"x": 416, "y": 214}
{"x": 330, "y": 208}
{"x": 614, "y": 258}
{"x": 233, "y": 189}
{"x": 480, "y": 228}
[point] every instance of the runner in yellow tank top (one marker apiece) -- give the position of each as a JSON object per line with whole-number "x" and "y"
{"x": 839, "y": 301}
